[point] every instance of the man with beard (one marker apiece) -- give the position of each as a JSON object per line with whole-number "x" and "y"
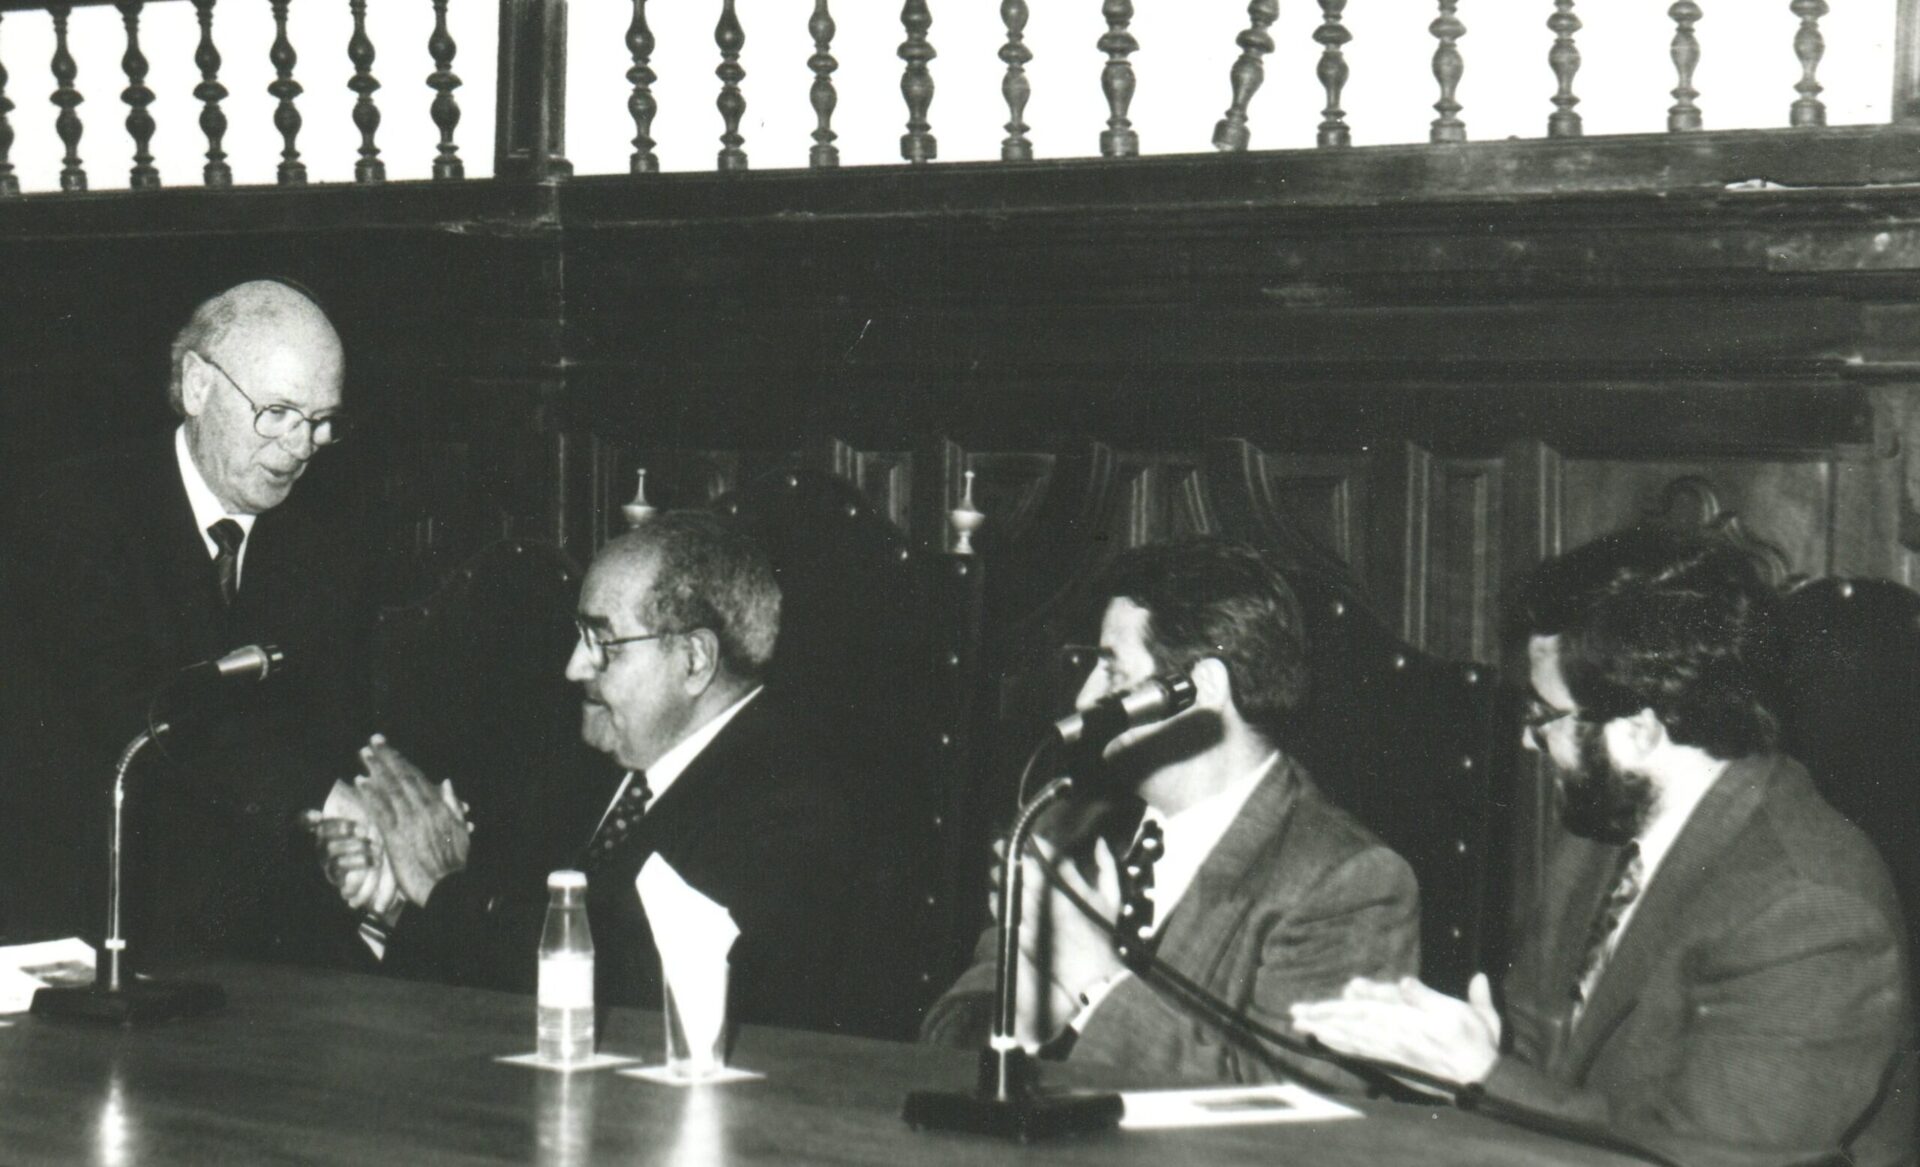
{"x": 677, "y": 623}
{"x": 1239, "y": 874}
{"x": 1726, "y": 972}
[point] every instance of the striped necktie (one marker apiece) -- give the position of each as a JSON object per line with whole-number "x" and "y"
{"x": 1627, "y": 874}
{"x": 228, "y": 536}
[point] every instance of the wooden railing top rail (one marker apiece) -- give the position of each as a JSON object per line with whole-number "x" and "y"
{"x": 532, "y": 82}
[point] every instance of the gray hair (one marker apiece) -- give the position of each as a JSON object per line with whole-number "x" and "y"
{"x": 708, "y": 574}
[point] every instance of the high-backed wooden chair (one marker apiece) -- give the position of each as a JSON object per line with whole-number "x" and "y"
{"x": 867, "y": 647}
{"x": 1853, "y": 711}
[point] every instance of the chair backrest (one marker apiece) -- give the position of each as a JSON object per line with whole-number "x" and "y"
{"x": 1853, "y": 711}
{"x": 1419, "y": 750}
{"x": 860, "y": 621}
{"x": 470, "y": 685}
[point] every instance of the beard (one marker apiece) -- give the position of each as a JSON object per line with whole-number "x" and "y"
{"x": 1598, "y": 800}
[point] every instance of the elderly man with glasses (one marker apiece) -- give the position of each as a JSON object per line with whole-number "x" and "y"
{"x": 677, "y": 623}
{"x": 126, "y": 566}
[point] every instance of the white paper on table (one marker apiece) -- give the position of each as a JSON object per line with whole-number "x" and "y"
{"x": 27, "y": 968}
{"x": 694, "y": 936}
{"x": 1228, "y": 1106}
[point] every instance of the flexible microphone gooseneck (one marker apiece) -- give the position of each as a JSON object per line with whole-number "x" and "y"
{"x": 114, "y": 996}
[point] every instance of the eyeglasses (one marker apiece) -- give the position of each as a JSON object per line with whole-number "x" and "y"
{"x": 277, "y": 421}
{"x": 597, "y": 645}
{"x": 1540, "y": 715}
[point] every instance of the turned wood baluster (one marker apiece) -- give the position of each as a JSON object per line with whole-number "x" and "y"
{"x": 1809, "y": 46}
{"x": 72, "y": 176}
{"x": 210, "y": 93}
{"x": 9, "y": 182}
{"x": 138, "y": 97}
{"x": 916, "y": 83}
{"x": 733, "y": 106}
{"x": 1684, "y": 115}
{"x": 1247, "y": 75}
{"x": 443, "y": 81}
{"x": 1118, "y": 140}
{"x": 1332, "y": 37}
{"x": 366, "y": 115}
{"x": 1448, "y": 67}
{"x": 1014, "y": 87}
{"x": 820, "y": 25}
{"x": 284, "y": 88}
{"x": 641, "y": 105}
{"x": 1564, "y": 59}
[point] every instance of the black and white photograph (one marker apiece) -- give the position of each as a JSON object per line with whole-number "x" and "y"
{"x": 704, "y": 582}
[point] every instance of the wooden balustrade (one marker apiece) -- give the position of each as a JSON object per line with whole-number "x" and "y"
{"x": 531, "y": 81}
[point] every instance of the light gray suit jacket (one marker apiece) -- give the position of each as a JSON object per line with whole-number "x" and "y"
{"x": 1295, "y": 899}
{"x": 1758, "y": 1001}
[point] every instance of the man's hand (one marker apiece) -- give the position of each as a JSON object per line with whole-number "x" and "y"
{"x": 349, "y": 856}
{"x": 1079, "y": 951}
{"x": 1409, "y": 1024}
{"x": 426, "y": 840}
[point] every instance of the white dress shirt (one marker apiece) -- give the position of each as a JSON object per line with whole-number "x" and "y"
{"x": 207, "y": 508}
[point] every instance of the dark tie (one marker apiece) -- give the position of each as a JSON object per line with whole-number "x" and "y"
{"x": 1136, "y": 893}
{"x": 622, "y": 818}
{"x": 228, "y": 536}
{"x": 1627, "y": 874}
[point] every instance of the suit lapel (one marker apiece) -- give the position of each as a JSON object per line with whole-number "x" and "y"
{"x": 1192, "y": 928}
{"x": 1721, "y": 815}
{"x": 185, "y": 570}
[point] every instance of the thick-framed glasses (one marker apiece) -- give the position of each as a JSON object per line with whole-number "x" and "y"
{"x": 277, "y": 421}
{"x": 1540, "y": 715}
{"x": 597, "y": 645}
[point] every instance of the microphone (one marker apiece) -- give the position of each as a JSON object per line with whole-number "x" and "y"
{"x": 1154, "y": 699}
{"x": 253, "y": 662}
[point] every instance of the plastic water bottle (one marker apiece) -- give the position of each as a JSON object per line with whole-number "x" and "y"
{"x": 565, "y": 1028}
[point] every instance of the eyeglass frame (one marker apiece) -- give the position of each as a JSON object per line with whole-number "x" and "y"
{"x": 331, "y": 421}
{"x": 597, "y": 654}
{"x": 1541, "y": 713}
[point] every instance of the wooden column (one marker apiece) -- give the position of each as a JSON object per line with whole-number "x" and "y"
{"x": 641, "y": 105}
{"x": 73, "y": 177}
{"x": 530, "y": 127}
{"x": 916, "y": 83}
{"x": 1015, "y": 87}
{"x": 730, "y": 38}
{"x": 286, "y": 116}
{"x": 1332, "y": 36}
{"x": 1118, "y": 140}
{"x": 1247, "y": 75}
{"x": 138, "y": 97}
{"x": 446, "y": 108}
{"x": 1809, "y": 46}
{"x": 820, "y": 27}
{"x": 1448, "y": 67}
{"x": 1685, "y": 115}
{"x": 366, "y": 115}
{"x": 1564, "y": 59}
{"x": 210, "y": 93}
{"x": 9, "y": 182}
{"x": 1906, "y": 63}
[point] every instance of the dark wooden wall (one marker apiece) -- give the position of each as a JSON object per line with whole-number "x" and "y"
{"x": 1424, "y": 368}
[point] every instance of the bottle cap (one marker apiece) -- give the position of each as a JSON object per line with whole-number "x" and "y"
{"x": 566, "y": 881}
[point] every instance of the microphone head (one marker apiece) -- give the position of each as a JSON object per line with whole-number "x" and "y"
{"x": 1153, "y": 699}
{"x": 254, "y": 662}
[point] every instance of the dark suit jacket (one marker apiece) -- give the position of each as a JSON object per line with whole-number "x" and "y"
{"x": 1759, "y": 997}
{"x": 109, "y": 591}
{"x": 748, "y": 824}
{"x": 1295, "y": 900}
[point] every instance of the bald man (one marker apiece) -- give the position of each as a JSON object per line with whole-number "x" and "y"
{"x": 132, "y": 564}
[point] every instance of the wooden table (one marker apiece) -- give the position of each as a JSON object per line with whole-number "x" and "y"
{"x": 307, "y": 1066}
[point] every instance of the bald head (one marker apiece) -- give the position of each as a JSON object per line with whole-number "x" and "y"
{"x": 260, "y": 346}
{"x": 247, "y": 316}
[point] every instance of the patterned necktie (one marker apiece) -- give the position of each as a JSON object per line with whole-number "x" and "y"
{"x": 622, "y": 817}
{"x": 1627, "y": 875}
{"x": 228, "y": 536}
{"x": 1132, "y": 939}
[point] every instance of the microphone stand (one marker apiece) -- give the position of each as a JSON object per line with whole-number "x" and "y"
{"x": 115, "y": 996}
{"x": 1007, "y": 1100}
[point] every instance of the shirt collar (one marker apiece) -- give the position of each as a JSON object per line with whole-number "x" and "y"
{"x": 1669, "y": 819}
{"x": 207, "y": 509}
{"x": 667, "y": 770}
{"x": 1190, "y": 836}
